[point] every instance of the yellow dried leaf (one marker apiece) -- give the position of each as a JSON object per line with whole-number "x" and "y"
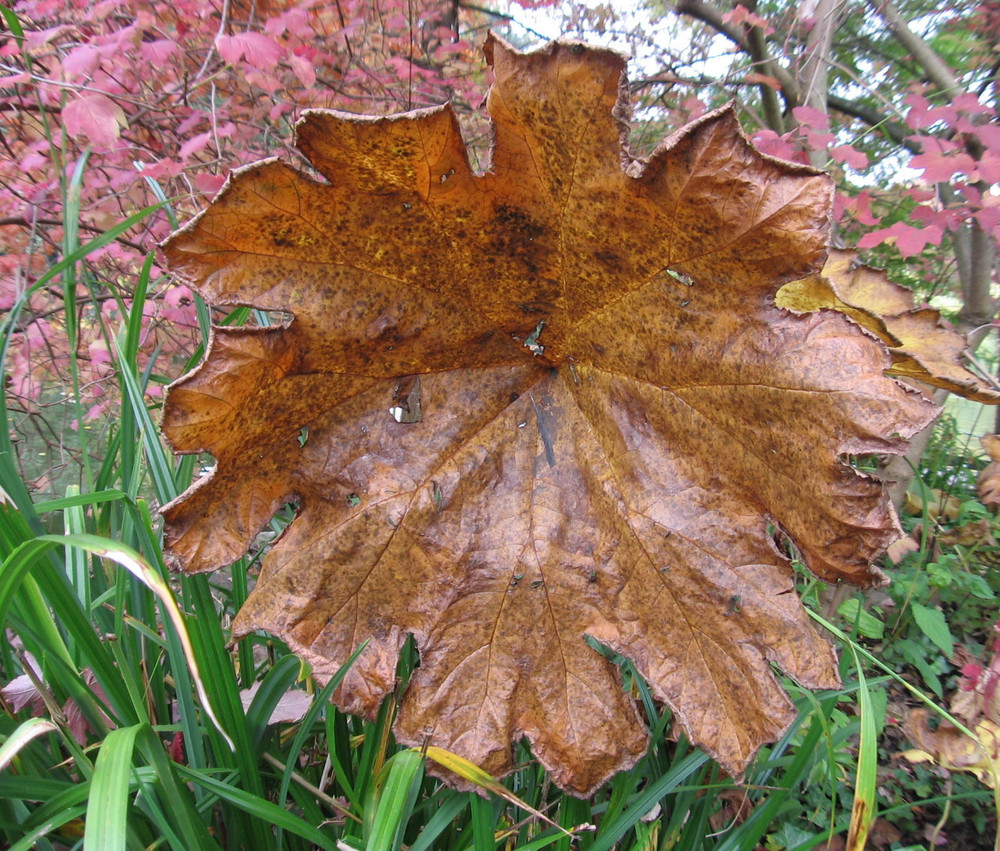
{"x": 923, "y": 347}
{"x": 950, "y": 748}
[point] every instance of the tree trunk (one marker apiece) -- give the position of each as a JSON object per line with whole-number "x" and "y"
{"x": 899, "y": 470}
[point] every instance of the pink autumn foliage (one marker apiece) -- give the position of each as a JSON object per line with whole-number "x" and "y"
{"x": 958, "y": 146}
{"x": 908, "y": 239}
{"x": 742, "y": 15}
{"x": 167, "y": 97}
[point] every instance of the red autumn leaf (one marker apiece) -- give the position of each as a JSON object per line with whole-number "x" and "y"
{"x": 773, "y": 82}
{"x": 908, "y": 239}
{"x": 257, "y": 50}
{"x": 519, "y": 408}
{"x": 96, "y": 117}
{"x": 849, "y": 155}
{"x": 81, "y": 61}
{"x": 742, "y": 15}
{"x": 811, "y": 117}
{"x": 942, "y": 167}
{"x": 193, "y": 145}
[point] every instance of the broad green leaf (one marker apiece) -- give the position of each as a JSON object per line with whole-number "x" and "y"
{"x": 932, "y": 623}
{"x": 855, "y": 613}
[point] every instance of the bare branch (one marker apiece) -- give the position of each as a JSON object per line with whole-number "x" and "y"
{"x": 21, "y": 221}
{"x": 894, "y": 131}
{"x": 937, "y": 70}
{"x": 752, "y": 41}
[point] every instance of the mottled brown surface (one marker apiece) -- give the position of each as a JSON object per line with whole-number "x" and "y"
{"x": 617, "y": 471}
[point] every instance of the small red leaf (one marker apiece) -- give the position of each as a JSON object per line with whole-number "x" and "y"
{"x": 193, "y": 145}
{"x": 258, "y": 51}
{"x": 95, "y": 116}
{"x": 908, "y": 239}
{"x": 850, "y": 156}
{"x": 160, "y": 51}
{"x": 81, "y": 61}
{"x": 811, "y": 117}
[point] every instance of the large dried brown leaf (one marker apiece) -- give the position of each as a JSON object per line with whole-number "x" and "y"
{"x": 618, "y": 471}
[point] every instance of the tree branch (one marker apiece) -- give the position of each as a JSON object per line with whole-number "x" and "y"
{"x": 21, "y": 221}
{"x": 895, "y": 132}
{"x": 752, "y": 41}
{"x": 937, "y": 70}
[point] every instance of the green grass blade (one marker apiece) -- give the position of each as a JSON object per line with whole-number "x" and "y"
{"x": 134, "y": 317}
{"x": 863, "y": 809}
{"x": 78, "y": 500}
{"x": 63, "y": 806}
{"x": 895, "y": 675}
{"x": 47, "y": 584}
{"x": 438, "y": 823}
{"x": 13, "y": 24}
{"x": 32, "y": 841}
{"x": 193, "y": 731}
{"x": 320, "y": 703}
{"x": 278, "y": 680}
{"x": 177, "y": 801}
{"x": 747, "y": 834}
{"x": 548, "y": 838}
{"x": 574, "y": 813}
{"x": 483, "y": 823}
{"x": 77, "y": 562}
{"x": 30, "y": 729}
{"x": 611, "y": 832}
{"x": 261, "y": 808}
{"x": 160, "y": 467}
{"x": 107, "y": 808}
{"x": 27, "y": 553}
{"x": 71, "y": 242}
{"x": 14, "y": 578}
{"x": 395, "y": 802}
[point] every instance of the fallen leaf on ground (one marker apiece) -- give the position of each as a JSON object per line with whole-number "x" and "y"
{"x": 898, "y": 550}
{"x": 972, "y": 534}
{"x": 884, "y": 833}
{"x": 612, "y": 419}
{"x": 950, "y": 748}
{"x": 290, "y": 708}
{"x": 939, "y": 505}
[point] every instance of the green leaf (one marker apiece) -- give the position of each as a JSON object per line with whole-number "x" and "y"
{"x": 933, "y": 624}
{"x": 107, "y": 809}
{"x": 395, "y": 803}
{"x": 867, "y": 624}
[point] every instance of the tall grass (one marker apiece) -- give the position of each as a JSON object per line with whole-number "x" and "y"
{"x": 139, "y": 733}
